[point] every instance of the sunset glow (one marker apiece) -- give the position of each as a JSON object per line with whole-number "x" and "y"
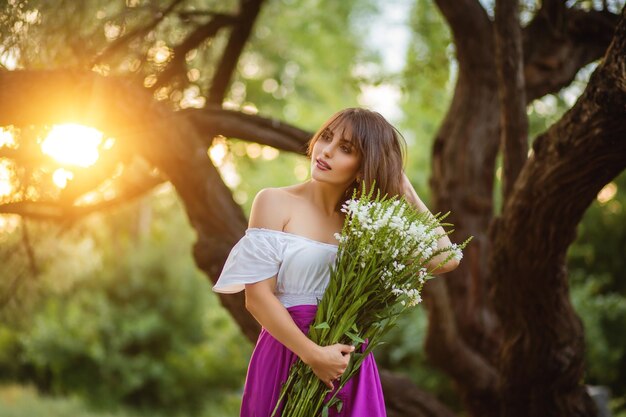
{"x": 73, "y": 144}
{"x": 61, "y": 176}
{"x": 5, "y": 179}
{"x": 6, "y": 138}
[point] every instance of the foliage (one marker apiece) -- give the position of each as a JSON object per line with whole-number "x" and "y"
{"x": 300, "y": 64}
{"x": 25, "y": 401}
{"x": 143, "y": 330}
{"x": 427, "y": 85}
{"x": 596, "y": 266}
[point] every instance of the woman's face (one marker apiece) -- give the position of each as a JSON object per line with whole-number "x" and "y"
{"x": 341, "y": 157}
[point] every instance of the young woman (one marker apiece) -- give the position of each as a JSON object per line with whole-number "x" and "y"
{"x": 282, "y": 262}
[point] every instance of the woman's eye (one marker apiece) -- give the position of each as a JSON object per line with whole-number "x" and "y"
{"x": 346, "y": 149}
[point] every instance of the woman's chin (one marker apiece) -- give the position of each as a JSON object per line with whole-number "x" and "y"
{"x": 317, "y": 175}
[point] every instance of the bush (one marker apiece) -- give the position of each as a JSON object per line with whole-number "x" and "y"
{"x": 144, "y": 329}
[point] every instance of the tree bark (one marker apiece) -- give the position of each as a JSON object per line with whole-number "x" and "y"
{"x": 512, "y": 92}
{"x": 463, "y": 166}
{"x": 541, "y": 357}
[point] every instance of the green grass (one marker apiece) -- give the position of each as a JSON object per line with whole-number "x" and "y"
{"x": 24, "y": 401}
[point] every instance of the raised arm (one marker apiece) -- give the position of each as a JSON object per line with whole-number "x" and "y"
{"x": 444, "y": 241}
{"x": 269, "y": 211}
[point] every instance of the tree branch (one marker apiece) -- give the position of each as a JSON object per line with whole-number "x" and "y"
{"x": 54, "y": 210}
{"x": 511, "y": 91}
{"x": 214, "y": 120}
{"x": 30, "y": 252}
{"x": 176, "y": 66}
{"x": 472, "y": 33}
{"x": 124, "y": 40}
{"x": 128, "y": 112}
{"x": 12, "y": 289}
{"x": 248, "y": 12}
{"x": 554, "y": 51}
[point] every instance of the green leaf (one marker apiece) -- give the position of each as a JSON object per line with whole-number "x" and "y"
{"x": 322, "y": 326}
{"x": 325, "y": 411}
{"x": 354, "y": 337}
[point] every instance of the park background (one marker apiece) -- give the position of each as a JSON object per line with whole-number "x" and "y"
{"x": 105, "y": 312}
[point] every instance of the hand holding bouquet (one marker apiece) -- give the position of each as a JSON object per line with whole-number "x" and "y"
{"x": 384, "y": 249}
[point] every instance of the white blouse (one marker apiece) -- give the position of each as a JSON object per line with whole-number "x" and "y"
{"x": 302, "y": 265}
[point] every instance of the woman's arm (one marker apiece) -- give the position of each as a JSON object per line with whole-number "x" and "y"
{"x": 327, "y": 362}
{"x": 444, "y": 241}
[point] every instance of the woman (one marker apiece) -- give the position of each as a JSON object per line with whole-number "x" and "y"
{"x": 283, "y": 260}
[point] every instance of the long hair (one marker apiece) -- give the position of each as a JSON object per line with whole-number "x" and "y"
{"x": 381, "y": 146}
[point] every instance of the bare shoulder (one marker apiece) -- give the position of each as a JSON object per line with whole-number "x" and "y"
{"x": 270, "y": 208}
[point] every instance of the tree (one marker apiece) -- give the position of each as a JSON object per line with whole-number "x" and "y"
{"x": 493, "y": 321}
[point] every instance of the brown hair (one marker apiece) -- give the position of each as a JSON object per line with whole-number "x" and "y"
{"x": 381, "y": 146}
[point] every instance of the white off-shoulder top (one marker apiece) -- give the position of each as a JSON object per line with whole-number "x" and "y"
{"x": 302, "y": 265}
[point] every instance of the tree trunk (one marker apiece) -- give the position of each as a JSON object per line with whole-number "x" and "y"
{"x": 464, "y": 334}
{"x": 541, "y": 357}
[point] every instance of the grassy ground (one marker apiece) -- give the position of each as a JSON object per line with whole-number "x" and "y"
{"x": 25, "y": 401}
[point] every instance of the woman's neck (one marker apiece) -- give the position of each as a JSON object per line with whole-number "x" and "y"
{"x": 324, "y": 196}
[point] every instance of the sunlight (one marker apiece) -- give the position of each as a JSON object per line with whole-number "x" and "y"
{"x": 218, "y": 150}
{"x": 301, "y": 170}
{"x": 6, "y": 138}
{"x": 5, "y": 179}
{"x": 229, "y": 174}
{"x": 607, "y": 192}
{"x": 253, "y": 150}
{"x": 60, "y": 177}
{"x": 160, "y": 53}
{"x": 73, "y": 144}
{"x": 268, "y": 153}
{"x": 9, "y": 222}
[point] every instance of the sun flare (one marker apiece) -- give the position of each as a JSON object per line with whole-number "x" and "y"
{"x": 73, "y": 144}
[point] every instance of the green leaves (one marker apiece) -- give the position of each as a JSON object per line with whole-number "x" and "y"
{"x": 322, "y": 326}
{"x": 355, "y": 338}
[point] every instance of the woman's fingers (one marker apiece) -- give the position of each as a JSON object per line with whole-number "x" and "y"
{"x": 346, "y": 348}
{"x": 333, "y": 363}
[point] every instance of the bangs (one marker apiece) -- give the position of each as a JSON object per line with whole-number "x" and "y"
{"x": 344, "y": 125}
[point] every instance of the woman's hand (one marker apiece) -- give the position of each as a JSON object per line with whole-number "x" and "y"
{"x": 442, "y": 242}
{"x": 330, "y": 362}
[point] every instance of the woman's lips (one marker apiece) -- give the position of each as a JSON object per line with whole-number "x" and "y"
{"x": 322, "y": 166}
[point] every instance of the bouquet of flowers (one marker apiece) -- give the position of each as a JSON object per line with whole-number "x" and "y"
{"x": 380, "y": 268}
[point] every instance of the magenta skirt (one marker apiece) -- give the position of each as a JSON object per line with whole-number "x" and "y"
{"x": 269, "y": 369}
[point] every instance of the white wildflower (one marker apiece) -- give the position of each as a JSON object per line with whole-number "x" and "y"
{"x": 422, "y": 273}
{"x": 398, "y": 266}
{"x": 458, "y": 254}
{"x": 414, "y": 297}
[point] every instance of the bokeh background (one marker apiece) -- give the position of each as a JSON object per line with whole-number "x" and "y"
{"x": 106, "y": 313}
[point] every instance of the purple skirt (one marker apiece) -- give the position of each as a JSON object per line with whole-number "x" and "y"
{"x": 269, "y": 369}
